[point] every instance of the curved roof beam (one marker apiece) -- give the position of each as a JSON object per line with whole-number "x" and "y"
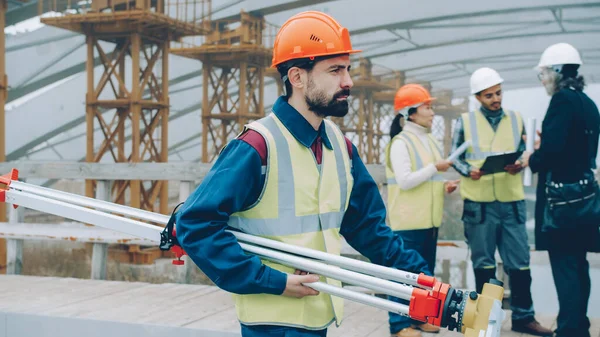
{"x": 457, "y": 53}
{"x": 482, "y": 39}
{"x": 273, "y": 7}
{"x": 515, "y": 77}
{"x": 493, "y": 59}
{"x": 25, "y": 148}
{"x": 21, "y": 13}
{"x": 41, "y": 41}
{"x": 465, "y": 10}
{"x": 196, "y": 107}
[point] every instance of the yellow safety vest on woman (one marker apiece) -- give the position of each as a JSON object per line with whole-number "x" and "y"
{"x": 302, "y": 204}
{"x": 502, "y": 186}
{"x": 421, "y": 207}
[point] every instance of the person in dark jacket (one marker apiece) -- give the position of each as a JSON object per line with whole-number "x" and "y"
{"x": 566, "y": 153}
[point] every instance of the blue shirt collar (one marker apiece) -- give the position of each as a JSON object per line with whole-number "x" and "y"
{"x": 297, "y": 125}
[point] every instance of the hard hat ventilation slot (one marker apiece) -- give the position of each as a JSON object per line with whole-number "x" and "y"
{"x": 315, "y": 38}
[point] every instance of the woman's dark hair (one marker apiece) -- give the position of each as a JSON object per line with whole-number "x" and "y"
{"x": 395, "y": 128}
{"x": 411, "y": 111}
{"x": 570, "y": 78}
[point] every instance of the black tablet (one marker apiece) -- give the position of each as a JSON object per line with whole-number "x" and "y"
{"x": 496, "y": 163}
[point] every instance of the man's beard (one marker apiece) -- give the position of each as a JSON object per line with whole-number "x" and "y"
{"x": 323, "y": 108}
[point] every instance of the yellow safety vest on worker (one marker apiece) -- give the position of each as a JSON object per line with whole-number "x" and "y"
{"x": 421, "y": 207}
{"x": 302, "y": 204}
{"x": 502, "y": 186}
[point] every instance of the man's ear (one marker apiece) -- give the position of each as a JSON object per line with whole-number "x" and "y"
{"x": 296, "y": 76}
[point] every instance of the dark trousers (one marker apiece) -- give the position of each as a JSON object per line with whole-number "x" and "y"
{"x": 279, "y": 331}
{"x": 424, "y": 241}
{"x": 571, "y": 272}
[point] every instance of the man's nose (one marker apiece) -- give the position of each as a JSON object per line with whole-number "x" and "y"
{"x": 347, "y": 82}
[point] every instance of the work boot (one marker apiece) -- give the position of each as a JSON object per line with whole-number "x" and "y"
{"x": 408, "y": 332}
{"x": 426, "y": 327}
{"x": 533, "y": 328}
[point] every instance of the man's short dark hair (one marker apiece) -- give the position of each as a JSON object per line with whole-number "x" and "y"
{"x": 283, "y": 69}
{"x": 304, "y": 63}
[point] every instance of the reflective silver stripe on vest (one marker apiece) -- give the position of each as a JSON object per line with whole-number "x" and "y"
{"x": 287, "y": 222}
{"x": 477, "y": 154}
{"x": 412, "y": 144}
{"x": 515, "y": 129}
{"x": 419, "y": 160}
{"x": 339, "y": 160}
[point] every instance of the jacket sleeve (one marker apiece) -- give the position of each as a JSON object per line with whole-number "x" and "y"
{"x": 458, "y": 138}
{"x": 406, "y": 178}
{"x": 202, "y": 221}
{"x": 554, "y": 132}
{"x": 364, "y": 226}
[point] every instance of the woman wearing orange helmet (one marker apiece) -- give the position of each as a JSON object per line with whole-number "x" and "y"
{"x": 415, "y": 188}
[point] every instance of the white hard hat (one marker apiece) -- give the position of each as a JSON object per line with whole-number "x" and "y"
{"x": 560, "y": 53}
{"x": 484, "y": 78}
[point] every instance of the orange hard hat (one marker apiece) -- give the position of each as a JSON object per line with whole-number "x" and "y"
{"x": 309, "y": 35}
{"x": 410, "y": 96}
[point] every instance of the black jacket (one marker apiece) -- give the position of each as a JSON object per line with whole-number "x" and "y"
{"x": 565, "y": 151}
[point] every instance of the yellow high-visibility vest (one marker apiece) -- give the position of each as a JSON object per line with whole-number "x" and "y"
{"x": 302, "y": 204}
{"x": 502, "y": 186}
{"x": 421, "y": 207}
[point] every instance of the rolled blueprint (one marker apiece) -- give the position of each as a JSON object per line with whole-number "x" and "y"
{"x": 530, "y": 130}
{"x": 461, "y": 149}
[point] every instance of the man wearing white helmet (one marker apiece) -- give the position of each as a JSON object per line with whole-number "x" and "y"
{"x": 566, "y": 156}
{"x": 494, "y": 204}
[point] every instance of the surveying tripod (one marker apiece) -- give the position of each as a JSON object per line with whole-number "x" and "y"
{"x": 431, "y": 301}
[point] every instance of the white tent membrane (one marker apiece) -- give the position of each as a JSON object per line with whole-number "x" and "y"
{"x": 441, "y": 42}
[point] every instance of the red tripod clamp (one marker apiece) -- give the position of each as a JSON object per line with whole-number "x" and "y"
{"x": 427, "y": 305}
{"x": 6, "y": 180}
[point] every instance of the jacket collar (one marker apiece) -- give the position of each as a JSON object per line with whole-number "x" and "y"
{"x": 492, "y": 114}
{"x": 416, "y": 128}
{"x": 297, "y": 125}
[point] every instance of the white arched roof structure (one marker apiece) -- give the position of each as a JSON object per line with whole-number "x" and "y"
{"x": 441, "y": 42}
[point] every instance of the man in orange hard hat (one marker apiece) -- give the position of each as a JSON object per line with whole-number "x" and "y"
{"x": 293, "y": 177}
{"x": 414, "y": 160}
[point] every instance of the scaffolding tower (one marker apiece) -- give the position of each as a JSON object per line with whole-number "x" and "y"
{"x": 234, "y": 58}
{"x": 132, "y": 91}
